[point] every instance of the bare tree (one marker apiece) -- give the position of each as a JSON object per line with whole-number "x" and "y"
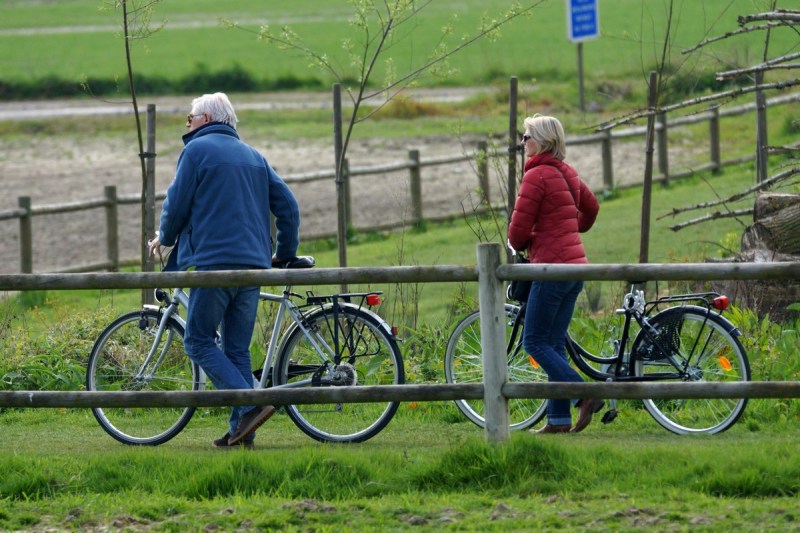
{"x": 378, "y": 26}
{"x": 136, "y": 25}
{"x": 776, "y": 18}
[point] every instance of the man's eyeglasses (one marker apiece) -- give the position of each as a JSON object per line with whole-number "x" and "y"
{"x": 190, "y": 116}
{"x": 525, "y": 138}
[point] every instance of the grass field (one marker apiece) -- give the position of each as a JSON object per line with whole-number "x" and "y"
{"x": 429, "y": 470}
{"x": 76, "y": 39}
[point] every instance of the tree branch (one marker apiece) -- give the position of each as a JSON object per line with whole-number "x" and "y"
{"x": 725, "y": 95}
{"x": 712, "y": 216}
{"x": 766, "y": 184}
{"x": 767, "y": 65}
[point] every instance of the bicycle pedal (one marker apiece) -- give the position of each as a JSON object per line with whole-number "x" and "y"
{"x": 609, "y": 416}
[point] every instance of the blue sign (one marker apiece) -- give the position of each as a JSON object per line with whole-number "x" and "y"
{"x": 583, "y": 21}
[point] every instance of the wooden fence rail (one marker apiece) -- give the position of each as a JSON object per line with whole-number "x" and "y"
{"x": 489, "y": 274}
{"x": 397, "y": 393}
{"x": 414, "y": 163}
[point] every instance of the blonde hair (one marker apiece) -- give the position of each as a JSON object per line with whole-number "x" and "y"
{"x": 548, "y": 134}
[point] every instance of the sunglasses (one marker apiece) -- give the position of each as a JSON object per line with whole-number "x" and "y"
{"x": 526, "y": 138}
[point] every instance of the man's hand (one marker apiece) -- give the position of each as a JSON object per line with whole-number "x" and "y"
{"x": 154, "y": 247}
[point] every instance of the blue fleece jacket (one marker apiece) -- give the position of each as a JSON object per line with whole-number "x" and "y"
{"x": 218, "y": 206}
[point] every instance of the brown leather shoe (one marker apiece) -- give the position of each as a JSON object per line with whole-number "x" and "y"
{"x": 550, "y": 428}
{"x": 587, "y": 407}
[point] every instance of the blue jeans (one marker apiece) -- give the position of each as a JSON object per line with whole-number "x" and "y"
{"x": 549, "y": 311}
{"x": 234, "y": 310}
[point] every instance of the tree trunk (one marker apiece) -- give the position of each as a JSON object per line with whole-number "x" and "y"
{"x": 776, "y": 226}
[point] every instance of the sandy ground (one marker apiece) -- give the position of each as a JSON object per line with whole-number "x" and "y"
{"x": 72, "y": 169}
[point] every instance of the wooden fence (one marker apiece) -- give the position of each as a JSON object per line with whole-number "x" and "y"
{"x": 414, "y": 164}
{"x": 490, "y": 274}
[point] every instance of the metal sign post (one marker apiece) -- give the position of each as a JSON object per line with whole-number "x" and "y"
{"x": 583, "y": 23}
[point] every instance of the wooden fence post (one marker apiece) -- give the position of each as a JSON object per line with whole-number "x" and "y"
{"x": 483, "y": 171}
{"x": 348, "y": 204}
{"x": 663, "y": 150}
{"x": 513, "y": 142}
{"x": 25, "y": 236}
{"x": 112, "y": 231}
{"x": 415, "y": 177}
{"x": 608, "y": 163}
{"x": 493, "y": 343}
{"x": 713, "y": 134}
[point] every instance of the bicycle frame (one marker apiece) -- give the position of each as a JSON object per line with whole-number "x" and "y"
{"x": 285, "y": 307}
{"x": 621, "y": 364}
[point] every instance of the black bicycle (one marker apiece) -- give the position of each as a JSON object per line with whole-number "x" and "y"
{"x": 681, "y": 338}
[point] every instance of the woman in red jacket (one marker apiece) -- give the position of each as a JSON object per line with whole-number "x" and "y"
{"x": 553, "y": 207}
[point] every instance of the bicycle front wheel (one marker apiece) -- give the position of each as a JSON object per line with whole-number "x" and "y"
{"x": 700, "y": 346}
{"x": 463, "y": 363}
{"x": 119, "y": 362}
{"x": 367, "y": 354}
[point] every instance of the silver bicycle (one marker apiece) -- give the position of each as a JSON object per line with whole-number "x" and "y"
{"x": 324, "y": 341}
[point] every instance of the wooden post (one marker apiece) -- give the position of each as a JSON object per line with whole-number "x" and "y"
{"x": 493, "y": 343}
{"x": 581, "y": 97}
{"x": 713, "y": 133}
{"x": 341, "y": 199}
{"x": 348, "y": 211}
{"x": 483, "y": 171}
{"x": 149, "y": 204}
{"x": 112, "y": 232}
{"x": 25, "y": 236}
{"x": 761, "y": 130}
{"x": 644, "y": 241}
{"x": 513, "y": 142}
{"x": 415, "y": 179}
{"x": 608, "y": 163}
{"x": 663, "y": 150}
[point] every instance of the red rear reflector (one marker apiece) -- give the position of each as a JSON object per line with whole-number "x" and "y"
{"x": 394, "y": 331}
{"x": 721, "y": 303}
{"x": 373, "y": 299}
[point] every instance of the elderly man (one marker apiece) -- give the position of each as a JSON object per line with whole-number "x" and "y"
{"x": 217, "y": 215}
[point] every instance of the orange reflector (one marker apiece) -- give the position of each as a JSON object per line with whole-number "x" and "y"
{"x": 725, "y": 363}
{"x": 373, "y": 299}
{"x": 721, "y": 303}
{"x": 534, "y": 364}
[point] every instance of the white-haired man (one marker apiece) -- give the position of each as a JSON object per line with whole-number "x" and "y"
{"x": 217, "y": 215}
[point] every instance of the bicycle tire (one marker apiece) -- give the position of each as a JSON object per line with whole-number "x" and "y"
{"x": 369, "y": 356}
{"x": 463, "y": 363}
{"x": 714, "y": 354}
{"x": 114, "y": 363}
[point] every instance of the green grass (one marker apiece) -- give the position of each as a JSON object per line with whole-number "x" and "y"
{"x": 625, "y": 476}
{"x": 533, "y": 47}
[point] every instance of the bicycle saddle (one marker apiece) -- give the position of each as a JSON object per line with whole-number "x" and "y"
{"x": 304, "y": 261}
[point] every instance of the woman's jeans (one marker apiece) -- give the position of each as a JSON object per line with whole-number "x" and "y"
{"x": 549, "y": 311}
{"x": 234, "y": 310}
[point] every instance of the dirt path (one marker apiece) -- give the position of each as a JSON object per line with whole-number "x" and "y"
{"x": 54, "y": 170}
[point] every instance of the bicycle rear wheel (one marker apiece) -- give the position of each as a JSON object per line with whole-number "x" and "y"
{"x": 705, "y": 347}
{"x": 116, "y": 364}
{"x": 367, "y": 355}
{"x": 463, "y": 363}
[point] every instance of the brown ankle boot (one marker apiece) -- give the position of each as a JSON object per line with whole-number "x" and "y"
{"x": 587, "y": 409}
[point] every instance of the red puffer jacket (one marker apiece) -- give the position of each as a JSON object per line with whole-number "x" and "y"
{"x": 545, "y": 220}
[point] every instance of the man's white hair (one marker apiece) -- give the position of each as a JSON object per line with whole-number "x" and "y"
{"x": 218, "y": 106}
